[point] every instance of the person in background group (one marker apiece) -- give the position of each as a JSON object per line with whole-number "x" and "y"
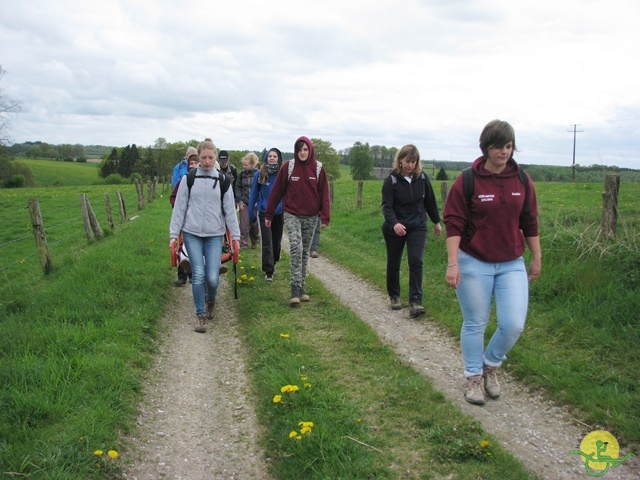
{"x": 249, "y": 231}
{"x": 305, "y": 195}
{"x": 486, "y": 238}
{"x": 182, "y": 167}
{"x": 271, "y": 237}
{"x": 203, "y": 217}
{"x": 315, "y": 242}
{"x": 407, "y": 199}
{"x": 184, "y": 267}
{"x": 228, "y": 169}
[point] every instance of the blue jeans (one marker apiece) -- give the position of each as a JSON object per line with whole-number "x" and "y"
{"x": 507, "y": 284}
{"x": 204, "y": 255}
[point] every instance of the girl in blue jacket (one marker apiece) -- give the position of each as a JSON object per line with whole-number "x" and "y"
{"x": 271, "y": 237}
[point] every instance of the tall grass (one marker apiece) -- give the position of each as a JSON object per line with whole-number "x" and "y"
{"x": 582, "y": 339}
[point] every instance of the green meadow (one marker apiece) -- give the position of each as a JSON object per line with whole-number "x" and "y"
{"x": 78, "y": 343}
{"x": 51, "y": 173}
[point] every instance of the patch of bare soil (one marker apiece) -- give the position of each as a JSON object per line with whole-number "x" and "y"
{"x": 198, "y": 420}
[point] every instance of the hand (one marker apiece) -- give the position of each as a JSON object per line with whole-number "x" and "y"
{"x": 267, "y": 223}
{"x": 172, "y": 242}
{"x": 400, "y": 229}
{"x": 534, "y": 269}
{"x": 323, "y": 225}
{"x": 437, "y": 229}
{"x": 453, "y": 276}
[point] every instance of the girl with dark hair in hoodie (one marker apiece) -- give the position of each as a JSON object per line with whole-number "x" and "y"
{"x": 302, "y": 186}
{"x": 271, "y": 237}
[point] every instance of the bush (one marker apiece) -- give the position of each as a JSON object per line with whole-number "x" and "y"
{"x": 115, "y": 179}
{"x": 16, "y": 181}
{"x": 81, "y": 160}
{"x": 137, "y": 176}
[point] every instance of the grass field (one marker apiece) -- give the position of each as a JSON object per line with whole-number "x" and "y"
{"x": 51, "y": 173}
{"x": 83, "y": 338}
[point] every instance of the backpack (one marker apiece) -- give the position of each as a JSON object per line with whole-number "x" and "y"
{"x": 292, "y": 163}
{"x": 224, "y": 180}
{"x": 468, "y": 188}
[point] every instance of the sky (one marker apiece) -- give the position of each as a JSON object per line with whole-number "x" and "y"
{"x": 259, "y": 74}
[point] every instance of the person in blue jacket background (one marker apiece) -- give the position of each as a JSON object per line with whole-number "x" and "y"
{"x": 182, "y": 167}
{"x": 271, "y": 237}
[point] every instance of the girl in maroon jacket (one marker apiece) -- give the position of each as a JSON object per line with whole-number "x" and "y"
{"x": 302, "y": 186}
{"x": 485, "y": 262}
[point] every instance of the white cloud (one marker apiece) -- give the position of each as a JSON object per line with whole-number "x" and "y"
{"x": 256, "y": 74}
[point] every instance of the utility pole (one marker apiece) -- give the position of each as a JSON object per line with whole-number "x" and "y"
{"x": 573, "y": 165}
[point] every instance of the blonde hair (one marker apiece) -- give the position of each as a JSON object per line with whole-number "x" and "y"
{"x": 404, "y": 152}
{"x": 252, "y": 158}
{"x": 207, "y": 144}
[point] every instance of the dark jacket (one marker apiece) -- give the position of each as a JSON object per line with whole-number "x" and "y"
{"x": 408, "y": 203}
{"x": 243, "y": 185}
{"x": 499, "y": 220}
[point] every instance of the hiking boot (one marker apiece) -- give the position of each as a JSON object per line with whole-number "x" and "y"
{"x": 268, "y": 277}
{"x": 491, "y": 385}
{"x": 313, "y": 254}
{"x": 395, "y": 303}
{"x": 474, "y": 393}
{"x": 416, "y": 310}
{"x": 303, "y": 296}
{"x": 223, "y": 269}
{"x": 201, "y": 323}
{"x": 211, "y": 309}
{"x": 179, "y": 282}
{"x": 295, "y": 297}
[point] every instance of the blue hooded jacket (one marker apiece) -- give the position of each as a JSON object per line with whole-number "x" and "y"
{"x": 260, "y": 191}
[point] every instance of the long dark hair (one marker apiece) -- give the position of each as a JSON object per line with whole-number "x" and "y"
{"x": 263, "y": 169}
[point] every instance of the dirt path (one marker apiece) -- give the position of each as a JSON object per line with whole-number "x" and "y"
{"x": 198, "y": 421}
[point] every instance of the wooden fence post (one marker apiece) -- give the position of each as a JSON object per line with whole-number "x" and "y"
{"x": 331, "y": 189}
{"x": 123, "y": 210}
{"x": 38, "y": 233}
{"x": 85, "y": 218}
{"x": 359, "y": 199}
{"x": 140, "y": 191}
{"x": 610, "y": 206}
{"x": 95, "y": 226}
{"x": 444, "y": 191}
{"x": 107, "y": 205}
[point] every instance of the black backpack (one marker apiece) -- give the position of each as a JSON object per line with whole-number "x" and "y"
{"x": 224, "y": 180}
{"x": 468, "y": 188}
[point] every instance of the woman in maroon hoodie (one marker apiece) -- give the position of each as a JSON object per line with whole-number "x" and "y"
{"x": 302, "y": 186}
{"x": 486, "y": 236}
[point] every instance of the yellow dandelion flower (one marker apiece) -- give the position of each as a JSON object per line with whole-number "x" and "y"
{"x": 98, "y": 452}
{"x": 284, "y": 335}
{"x": 307, "y": 385}
{"x": 303, "y": 378}
{"x": 112, "y": 454}
{"x": 358, "y": 420}
{"x": 306, "y": 424}
{"x": 299, "y": 437}
{"x": 243, "y": 276}
{"x": 241, "y": 268}
{"x": 305, "y": 430}
{"x": 239, "y": 280}
{"x": 293, "y": 434}
{"x": 484, "y": 444}
{"x": 277, "y": 398}
{"x": 299, "y": 355}
{"x": 251, "y": 279}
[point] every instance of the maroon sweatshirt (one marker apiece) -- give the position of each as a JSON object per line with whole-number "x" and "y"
{"x": 305, "y": 193}
{"x": 496, "y": 213}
